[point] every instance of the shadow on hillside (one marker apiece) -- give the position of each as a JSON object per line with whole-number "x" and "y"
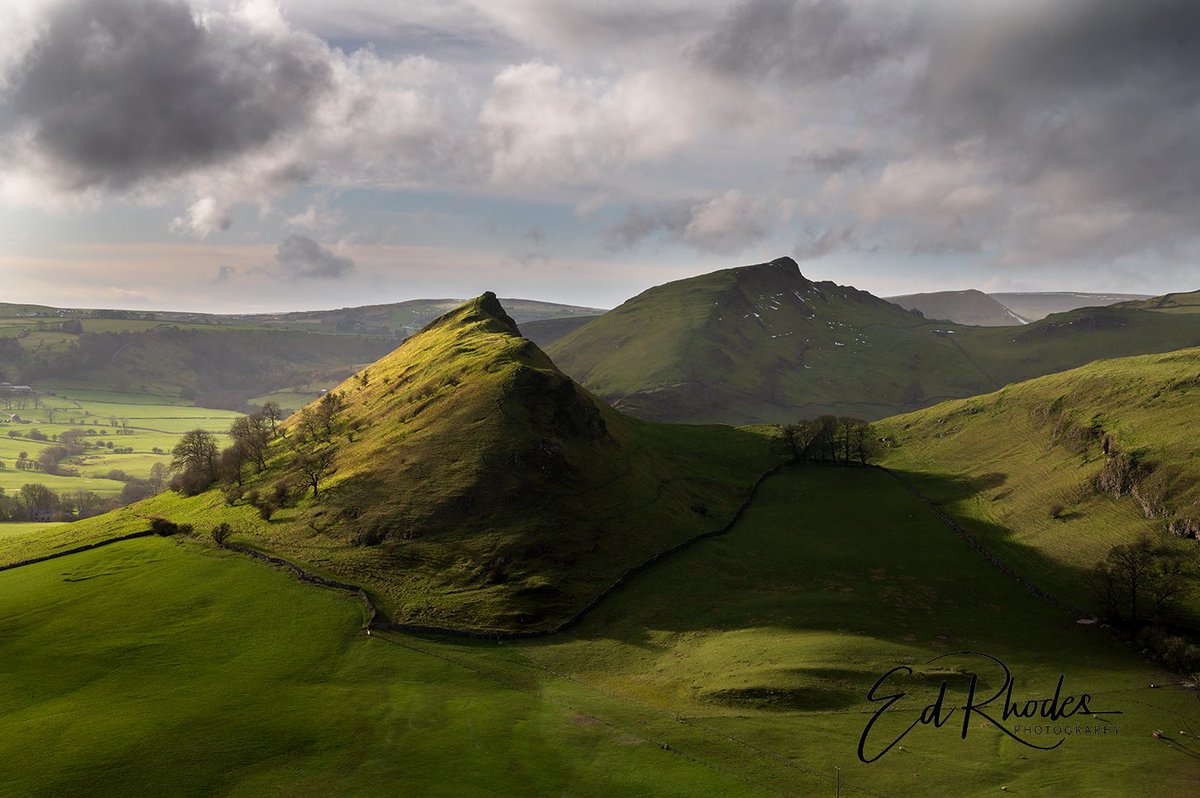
{"x": 828, "y": 549}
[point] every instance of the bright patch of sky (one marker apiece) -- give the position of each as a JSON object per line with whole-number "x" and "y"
{"x": 225, "y": 155}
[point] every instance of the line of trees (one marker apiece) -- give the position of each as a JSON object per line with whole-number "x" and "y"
{"x": 828, "y": 438}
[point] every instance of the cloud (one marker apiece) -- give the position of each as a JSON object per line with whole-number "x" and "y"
{"x": 809, "y": 40}
{"x": 224, "y": 274}
{"x": 301, "y": 258}
{"x": 151, "y": 99}
{"x": 725, "y": 224}
{"x": 541, "y": 125}
{"x": 116, "y": 92}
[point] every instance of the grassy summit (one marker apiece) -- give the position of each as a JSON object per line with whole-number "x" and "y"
{"x": 763, "y": 343}
{"x": 476, "y": 486}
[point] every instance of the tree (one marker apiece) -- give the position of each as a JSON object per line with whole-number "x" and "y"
{"x": 866, "y": 442}
{"x": 273, "y": 414}
{"x": 197, "y": 452}
{"x": 158, "y": 477}
{"x": 233, "y": 460}
{"x": 315, "y": 464}
{"x": 253, "y": 434}
{"x": 799, "y": 439}
{"x": 827, "y": 437}
{"x": 38, "y": 498}
{"x": 1135, "y": 573}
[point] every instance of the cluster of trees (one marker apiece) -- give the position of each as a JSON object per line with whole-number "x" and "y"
{"x": 1141, "y": 581}
{"x": 1140, "y": 586}
{"x": 828, "y": 438}
{"x": 35, "y": 502}
{"x": 199, "y": 463}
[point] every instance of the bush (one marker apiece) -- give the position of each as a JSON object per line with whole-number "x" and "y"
{"x": 1056, "y": 510}
{"x": 279, "y": 494}
{"x": 266, "y": 510}
{"x": 165, "y": 528}
{"x": 221, "y": 533}
{"x": 232, "y": 493}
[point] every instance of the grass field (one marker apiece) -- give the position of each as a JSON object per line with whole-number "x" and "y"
{"x": 738, "y": 667}
{"x": 995, "y": 463}
{"x": 143, "y": 422}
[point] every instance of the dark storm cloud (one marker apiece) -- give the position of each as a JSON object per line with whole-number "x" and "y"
{"x": 804, "y": 40}
{"x": 299, "y": 257}
{"x": 119, "y": 91}
{"x": 1090, "y": 102}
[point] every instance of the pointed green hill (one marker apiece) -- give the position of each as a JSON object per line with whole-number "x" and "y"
{"x": 764, "y": 343}
{"x": 477, "y": 487}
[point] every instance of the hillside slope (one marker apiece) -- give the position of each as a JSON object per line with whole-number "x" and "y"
{"x": 962, "y": 307}
{"x": 475, "y": 486}
{"x": 763, "y": 343}
{"x": 1057, "y": 470}
{"x": 1034, "y": 305}
{"x": 217, "y": 366}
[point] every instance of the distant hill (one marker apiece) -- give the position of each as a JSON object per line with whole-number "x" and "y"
{"x": 405, "y": 318}
{"x": 217, "y": 360}
{"x": 544, "y": 332}
{"x": 763, "y": 343}
{"x": 1022, "y": 465}
{"x": 476, "y": 486}
{"x": 1188, "y": 302}
{"x": 964, "y": 307}
{"x": 1038, "y": 305}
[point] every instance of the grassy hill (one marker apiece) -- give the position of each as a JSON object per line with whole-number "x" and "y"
{"x": 763, "y": 343}
{"x": 478, "y": 487}
{"x": 1004, "y": 462}
{"x": 544, "y": 332}
{"x": 963, "y": 307}
{"x": 1034, "y": 305}
{"x": 1187, "y": 302}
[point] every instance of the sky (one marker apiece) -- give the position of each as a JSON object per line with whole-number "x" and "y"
{"x": 227, "y": 156}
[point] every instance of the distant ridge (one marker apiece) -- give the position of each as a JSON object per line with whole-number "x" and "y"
{"x": 964, "y": 307}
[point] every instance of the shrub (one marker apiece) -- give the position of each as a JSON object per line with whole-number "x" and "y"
{"x": 1056, "y": 510}
{"x": 221, "y": 533}
{"x": 232, "y": 493}
{"x": 165, "y": 528}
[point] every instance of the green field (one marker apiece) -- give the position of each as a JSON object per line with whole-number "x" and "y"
{"x": 143, "y": 422}
{"x": 1002, "y": 461}
{"x": 738, "y": 667}
{"x": 22, "y": 529}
